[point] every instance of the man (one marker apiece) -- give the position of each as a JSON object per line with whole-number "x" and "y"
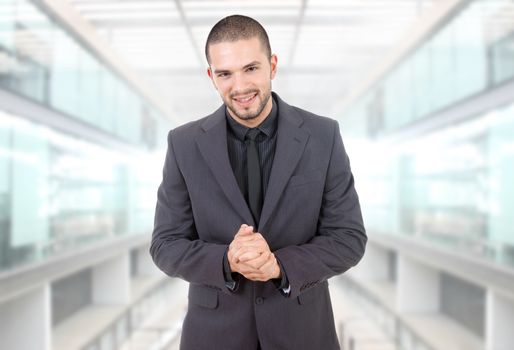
{"x": 257, "y": 208}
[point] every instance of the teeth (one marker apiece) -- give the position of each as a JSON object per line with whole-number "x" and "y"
{"x": 246, "y": 99}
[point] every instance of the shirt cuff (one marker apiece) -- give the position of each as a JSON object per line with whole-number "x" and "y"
{"x": 231, "y": 278}
{"x": 282, "y": 284}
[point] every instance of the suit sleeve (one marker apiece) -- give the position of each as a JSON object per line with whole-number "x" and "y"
{"x": 176, "y": 248}
{"x": 340, "y": 240}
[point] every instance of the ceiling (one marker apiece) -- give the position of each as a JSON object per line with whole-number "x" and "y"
{"x": 324, "y": 47}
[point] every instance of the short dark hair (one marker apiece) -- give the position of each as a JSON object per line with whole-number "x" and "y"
{"x": 237, "y": 27}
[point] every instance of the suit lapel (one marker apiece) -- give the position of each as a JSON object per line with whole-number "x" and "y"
{"x": 291, "y": 140}
{"x": 213, "y": 147}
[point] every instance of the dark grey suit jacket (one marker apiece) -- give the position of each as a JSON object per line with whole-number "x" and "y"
{"x": 311, "y": 219}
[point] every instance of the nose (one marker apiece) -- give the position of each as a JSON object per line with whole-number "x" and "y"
{"x": 240, "y": 83}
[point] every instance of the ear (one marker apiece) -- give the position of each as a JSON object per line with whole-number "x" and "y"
{"x": 273, "y": 63}
{"x": 209, "y": 73}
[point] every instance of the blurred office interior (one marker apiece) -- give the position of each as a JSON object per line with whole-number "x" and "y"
{"x": 424, "y": 94}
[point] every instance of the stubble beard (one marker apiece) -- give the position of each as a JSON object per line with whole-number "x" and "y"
{"x": 249, "y": 115}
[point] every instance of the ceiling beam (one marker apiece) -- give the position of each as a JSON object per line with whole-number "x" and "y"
{"x": 187, "y": 26}
{"x": 298, "y": 27}
{"x": 322, "y": 21}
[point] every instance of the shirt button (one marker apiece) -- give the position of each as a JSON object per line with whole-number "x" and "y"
{"x": 259, "y": 300}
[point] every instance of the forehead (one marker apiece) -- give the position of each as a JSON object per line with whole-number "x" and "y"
{"x": 236, "y": 54}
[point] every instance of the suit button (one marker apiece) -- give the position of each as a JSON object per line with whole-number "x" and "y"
{"x": 259, "y": 300}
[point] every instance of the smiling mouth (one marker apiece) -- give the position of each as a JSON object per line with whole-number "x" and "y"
{"x": 246, "y": 100}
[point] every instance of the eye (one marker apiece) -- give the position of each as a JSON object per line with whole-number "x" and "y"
{"x": 252, "y": 68}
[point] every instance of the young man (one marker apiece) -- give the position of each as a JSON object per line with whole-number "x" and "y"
{"x": 257, "y": 208}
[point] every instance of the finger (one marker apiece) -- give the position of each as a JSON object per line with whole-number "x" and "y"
{"x": 239, "y": 241}
{"x": 253, "y": 241}
{"x": 240, "y": 247}
{"x": 241, "y": 251}
{"x": 245, "y": 238}
{"x": 259, "y": 236}
{"x": 267, "y": 267}
{"x": 255, "y": 259}
{"x": 263, "y": 273}
{"x": 246, "y": 270}
{"x": 258, "y": 262}
{"x": 249, "y": 256}
{"x": 252, "y": 274}
{"x": 234, "y": 266}
{"x": 244, "y": 230}
{"x": 254, "y": 236}
{"x": 257, "y": 277}
{"x": 246, "y": 250}
{"x": 251, "y": 247}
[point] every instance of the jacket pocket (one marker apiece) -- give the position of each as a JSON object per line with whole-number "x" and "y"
{"x": 203, "y": 296}
{"x": 300, "y": 179}
{"x": 310, "y": 294}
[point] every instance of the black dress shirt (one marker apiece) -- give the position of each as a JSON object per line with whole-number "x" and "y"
{"x": 266, "y": 144}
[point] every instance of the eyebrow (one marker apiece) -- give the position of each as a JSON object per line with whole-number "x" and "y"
{"x": 253, "y": 63}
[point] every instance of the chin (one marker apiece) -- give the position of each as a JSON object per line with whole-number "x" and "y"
{"x": 248, "y": 116}
{"x": 244, "y": 114}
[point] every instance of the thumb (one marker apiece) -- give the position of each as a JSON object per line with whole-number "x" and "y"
{"x": 245, "y": 230}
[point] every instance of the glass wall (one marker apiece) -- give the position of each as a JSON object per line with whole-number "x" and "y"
{"x": 452, "y": 186}
{"x": 58, "y": 193}
{"x": 42, "y": 61}
{"x": 471, "y": 53}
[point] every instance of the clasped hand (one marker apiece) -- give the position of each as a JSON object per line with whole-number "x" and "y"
{"x": 250, "y": 255}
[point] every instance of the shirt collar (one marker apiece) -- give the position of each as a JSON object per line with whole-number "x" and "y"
{"x": 268, "y": 126}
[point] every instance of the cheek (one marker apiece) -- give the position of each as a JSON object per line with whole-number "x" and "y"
{"x": 223, "y": 87}
{"x": 264, "y": 80}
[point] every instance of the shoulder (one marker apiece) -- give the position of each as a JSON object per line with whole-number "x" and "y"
{"x": 190, "y": 128}
{"x": 312, "y": 118}
{"x": 187, "y": 132}
{"x": 312, "y": 122}
{"x": 317, "y": 124}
